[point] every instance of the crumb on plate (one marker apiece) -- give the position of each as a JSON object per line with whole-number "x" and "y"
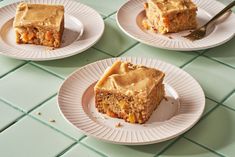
{"x": 118, "y": 125}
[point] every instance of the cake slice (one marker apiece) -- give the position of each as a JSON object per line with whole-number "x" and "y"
{"x": 166, "y": 16}
{"x": 131, "y": 92}
{"x": 39, "y": 24}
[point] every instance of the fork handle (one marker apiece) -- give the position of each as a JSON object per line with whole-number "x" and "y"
{"x": 221, "y": 12}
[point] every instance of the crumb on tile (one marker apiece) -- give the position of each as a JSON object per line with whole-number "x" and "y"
{"x": 39, "y": 113}
{"x": 165, "y": 98}
{"x": 52, "y": 120}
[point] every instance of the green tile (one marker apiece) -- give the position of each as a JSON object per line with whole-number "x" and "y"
{"x": 50, "y": 111}
{"x": 226, "y": 2}
{"x": 230, "y": 101}
{"x": 216, "y": 131}
{"x": 114, "y": 41}
{"x": 28, "y": 137}
{"x": 114, "y": 16}
{"x": 65, "y": 67}
{"x": 114, "y": 150}
{"x": 105, "y": 7}
{"x": 28, "y": 86}
{"x": 7, "y": 64}
{"x": 183, "y": 147}
{"x": 8, "y": 115}
{"x": 174, "y": 57}
{"x": 216, "y": 79}
{"x": 224, "y": 53}
{"x": 80, "y": 150}
{"x": 103, "y": 16}
{"x": 209, "y": 106}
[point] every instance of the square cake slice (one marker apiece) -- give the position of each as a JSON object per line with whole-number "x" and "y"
{"x": 39, "y": 24}
{"x": 130, "y": 92}
{"x": 165, "y": 16}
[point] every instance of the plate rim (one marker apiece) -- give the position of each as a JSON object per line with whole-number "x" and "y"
{"x": 130, "y": 143}
{"x": 74, "y": 52}
{"x": 173, "y": 48}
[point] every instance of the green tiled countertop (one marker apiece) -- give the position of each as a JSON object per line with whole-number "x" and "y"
{"x": 31, "y": 124}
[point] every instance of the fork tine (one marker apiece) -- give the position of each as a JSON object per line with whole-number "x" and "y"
{"x": 196, "y": 34}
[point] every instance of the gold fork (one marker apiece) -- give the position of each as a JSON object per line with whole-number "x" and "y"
{"x": 200, "y": 32}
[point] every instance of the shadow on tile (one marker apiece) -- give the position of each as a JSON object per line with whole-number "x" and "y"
{"x": 80, "y": 59}
{"x": 116, "y": 150}
{"x": 66, "y": 66}
{"x": 223, "y": 52}
{"x": 216, "y": 131}
{"x": 151, "y": 148}
{"x": 183, "y": 147}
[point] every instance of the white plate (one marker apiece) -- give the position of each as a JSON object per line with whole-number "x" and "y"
{"x": 83, "y": 28}
{"x": 183, "y": 108}
{"x": 131, "y": 14}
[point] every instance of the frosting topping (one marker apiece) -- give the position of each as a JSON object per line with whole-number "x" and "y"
{"x": 39, "y": 15}
{"x": 130, "y": 79}
{"x": 172, "y": 5}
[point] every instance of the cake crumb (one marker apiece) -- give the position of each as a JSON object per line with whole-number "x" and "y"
{"x": 39, "y": 113}
{"x": 170, "y": 37}
{"x": 50, "y": 48}
{"x": 52, "y": 120}
{"x": 165, "y": 98}
{"x": 118, "y": 125}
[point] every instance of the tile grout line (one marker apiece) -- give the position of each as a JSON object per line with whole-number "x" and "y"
{"x": 225, "y": 64}
{"x": 210, "y": 150}
{"x": 102, "y": 51}
{"x": 52, "y": 127}
{"x": 212, "y": 99}
{"x": 135, "y": 44}
{"x": 12, "y": 123}
{"x": 229, "y": 94}
{"x": 9, "y": 104}
{"x": 202, "y": 118}
{"x": 94, "y": 150}
{"x": 191, "y": 60}
{"x": 48, "y": 71}
{"x": 228, "y": 107}
{"x": 35, "y": 118}
{"x": 41, "y": 103}
{"x": 14, "y": 69}
{"x": 82, "y": 138}
{"x": 221, "y": 104}
{"x": 206, "y": 50}
{"x": 207, "y": 114}
{"x": 109, "y": 16}
{"x": 168, "y": 146}
{"x": 199, "y": 54}
{"x": 67, "y": 149}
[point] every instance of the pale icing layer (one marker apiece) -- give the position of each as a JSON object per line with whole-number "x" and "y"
{"x": 173, "y": 5}
{"x": 127, "y": 78}
{"x": 49, "y": 16}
